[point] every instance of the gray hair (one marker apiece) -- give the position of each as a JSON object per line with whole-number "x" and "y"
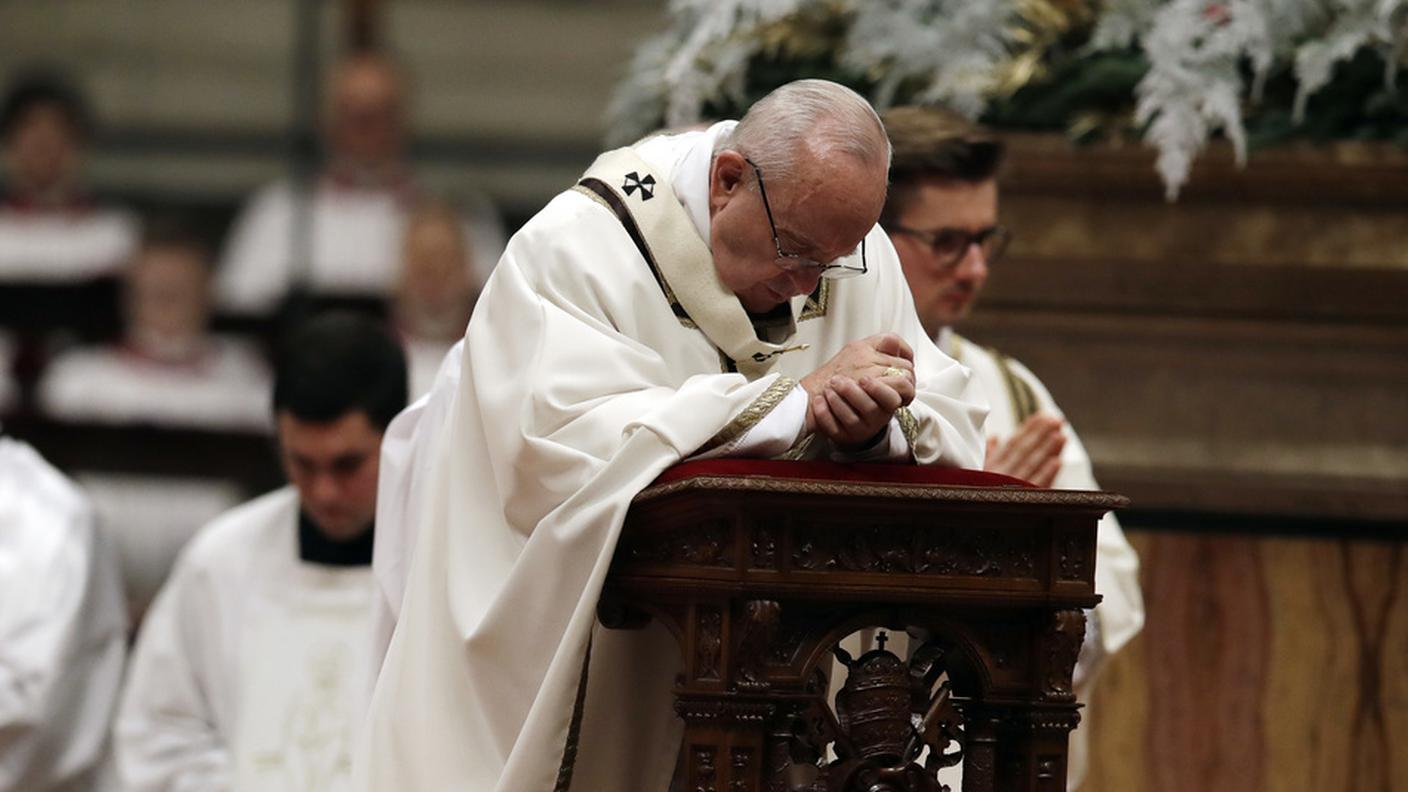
{"x": 808, "y": 115}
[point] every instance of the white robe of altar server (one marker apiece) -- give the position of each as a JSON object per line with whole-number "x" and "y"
{"x": 579, "y": 385}
{"x": 63, "y": 630}
{"x": 247, "y": 674}
{"x": 65, "y": 245}
{"x": 350, "y": 238}
{"x": 225, "y": 386}
{"x": 1120, "y": 615}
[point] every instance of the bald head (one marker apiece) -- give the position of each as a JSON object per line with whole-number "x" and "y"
{"x": 810, "y": 118}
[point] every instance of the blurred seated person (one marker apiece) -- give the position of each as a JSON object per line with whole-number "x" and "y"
{"x": 439, "y": 286}
{"x": 941, "y": 214}
{"x": 51, "y": 231}
{"x": 249, "y": 672}
{"x": 63, "y": 633}
{"x": 167, "y": 369}
{"x": 339, "y": 235}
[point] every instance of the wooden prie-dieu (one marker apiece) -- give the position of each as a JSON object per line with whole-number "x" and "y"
{"x": 761, "y": 568}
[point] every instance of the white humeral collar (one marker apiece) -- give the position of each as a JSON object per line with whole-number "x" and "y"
{"x": 675, "y": 226}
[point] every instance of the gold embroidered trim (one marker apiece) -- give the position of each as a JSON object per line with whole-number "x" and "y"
{"x": 799, "y": 451}
{"x": 574, "y": 728}
{"x": 1024, "y": 403}
{"x": 1026, "y": 496}
{"x": 958, "y": 342}
{"x": 753, "y": 413}
{"x": 909, "y": 426}
{"x": 817, "y": 302}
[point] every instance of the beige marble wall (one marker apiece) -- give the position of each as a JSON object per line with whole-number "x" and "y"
{"x": 1267, "y": 664}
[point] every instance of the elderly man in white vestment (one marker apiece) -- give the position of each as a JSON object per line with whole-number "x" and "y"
{"x": 941, "y": 214}
{"x": 63, "y": 631}
{"x": 248, "y": 671}
{"x": 682, "y": 301}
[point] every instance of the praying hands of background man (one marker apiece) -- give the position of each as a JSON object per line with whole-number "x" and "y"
{"x": 1032, "y": 453}
{"x": 854, "y": 394}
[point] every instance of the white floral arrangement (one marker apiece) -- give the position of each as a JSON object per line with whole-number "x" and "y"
{"x": 1204, "y": 63}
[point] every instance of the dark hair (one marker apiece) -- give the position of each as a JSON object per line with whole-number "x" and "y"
{"x": 932, "y": 143}
{"x": 37, "y": 87}
{"x": 338, "y": 362}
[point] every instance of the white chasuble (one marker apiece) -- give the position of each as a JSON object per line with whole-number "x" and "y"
{"x": 63, "y": 631}
{"x": 248, "y": 670}
{"x": 588, "y": 369}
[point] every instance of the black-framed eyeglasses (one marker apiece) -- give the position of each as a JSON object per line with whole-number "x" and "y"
{"x": 793, "y": 262}
{"x": 950, "y": 245}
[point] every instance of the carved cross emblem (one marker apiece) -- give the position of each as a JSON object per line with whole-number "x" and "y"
{"x": 634, "y": 181}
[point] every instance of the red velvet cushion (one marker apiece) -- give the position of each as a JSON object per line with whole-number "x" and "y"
{"x": 833, "y": 471}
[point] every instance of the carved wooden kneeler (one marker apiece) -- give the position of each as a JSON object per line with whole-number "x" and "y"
{"x": 760, "y": 568}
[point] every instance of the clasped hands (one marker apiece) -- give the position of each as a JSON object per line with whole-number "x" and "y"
{"x": 852, "y": 397}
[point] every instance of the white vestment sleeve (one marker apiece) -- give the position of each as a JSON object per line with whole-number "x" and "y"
{"x": 165, "y": 735}
{"x": 771, "y": 436}
{"x": 779, "y": 431}
{"x": 406, "y": 458}
{"x": 254, "y": 272}
{"x": 62, "y": 629}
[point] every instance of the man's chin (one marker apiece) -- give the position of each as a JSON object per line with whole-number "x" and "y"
{"x": 766, "y": 300}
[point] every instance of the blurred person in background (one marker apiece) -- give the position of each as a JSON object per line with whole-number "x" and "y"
{"x": 167, "y": 369}
{"x": 50, "y": 228}
{"x": 438, "y": 288}
{"x": 249, "y": 672}
{"x": 941, "y": 214}
{"x": 63, "y": 632}
{"x": 339, "y": 235}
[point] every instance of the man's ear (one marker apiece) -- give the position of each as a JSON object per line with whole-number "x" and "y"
{"x": 726, "y": 178}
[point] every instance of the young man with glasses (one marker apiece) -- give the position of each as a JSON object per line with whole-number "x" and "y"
{"x": 685, "y": 299}
{"x": 941, "y": 214}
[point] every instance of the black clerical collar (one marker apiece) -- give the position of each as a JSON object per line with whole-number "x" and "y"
{"x": 315, "y": 548}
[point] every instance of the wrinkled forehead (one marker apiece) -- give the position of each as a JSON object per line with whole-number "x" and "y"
{"x": 832, "y": 201}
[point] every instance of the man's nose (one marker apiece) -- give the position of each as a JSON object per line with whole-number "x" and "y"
{"x": 325, "y": 488}
{"x": 974, "y": 263}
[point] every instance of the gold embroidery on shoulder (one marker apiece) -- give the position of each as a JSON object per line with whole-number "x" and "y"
{"x": 753, "y": 413}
